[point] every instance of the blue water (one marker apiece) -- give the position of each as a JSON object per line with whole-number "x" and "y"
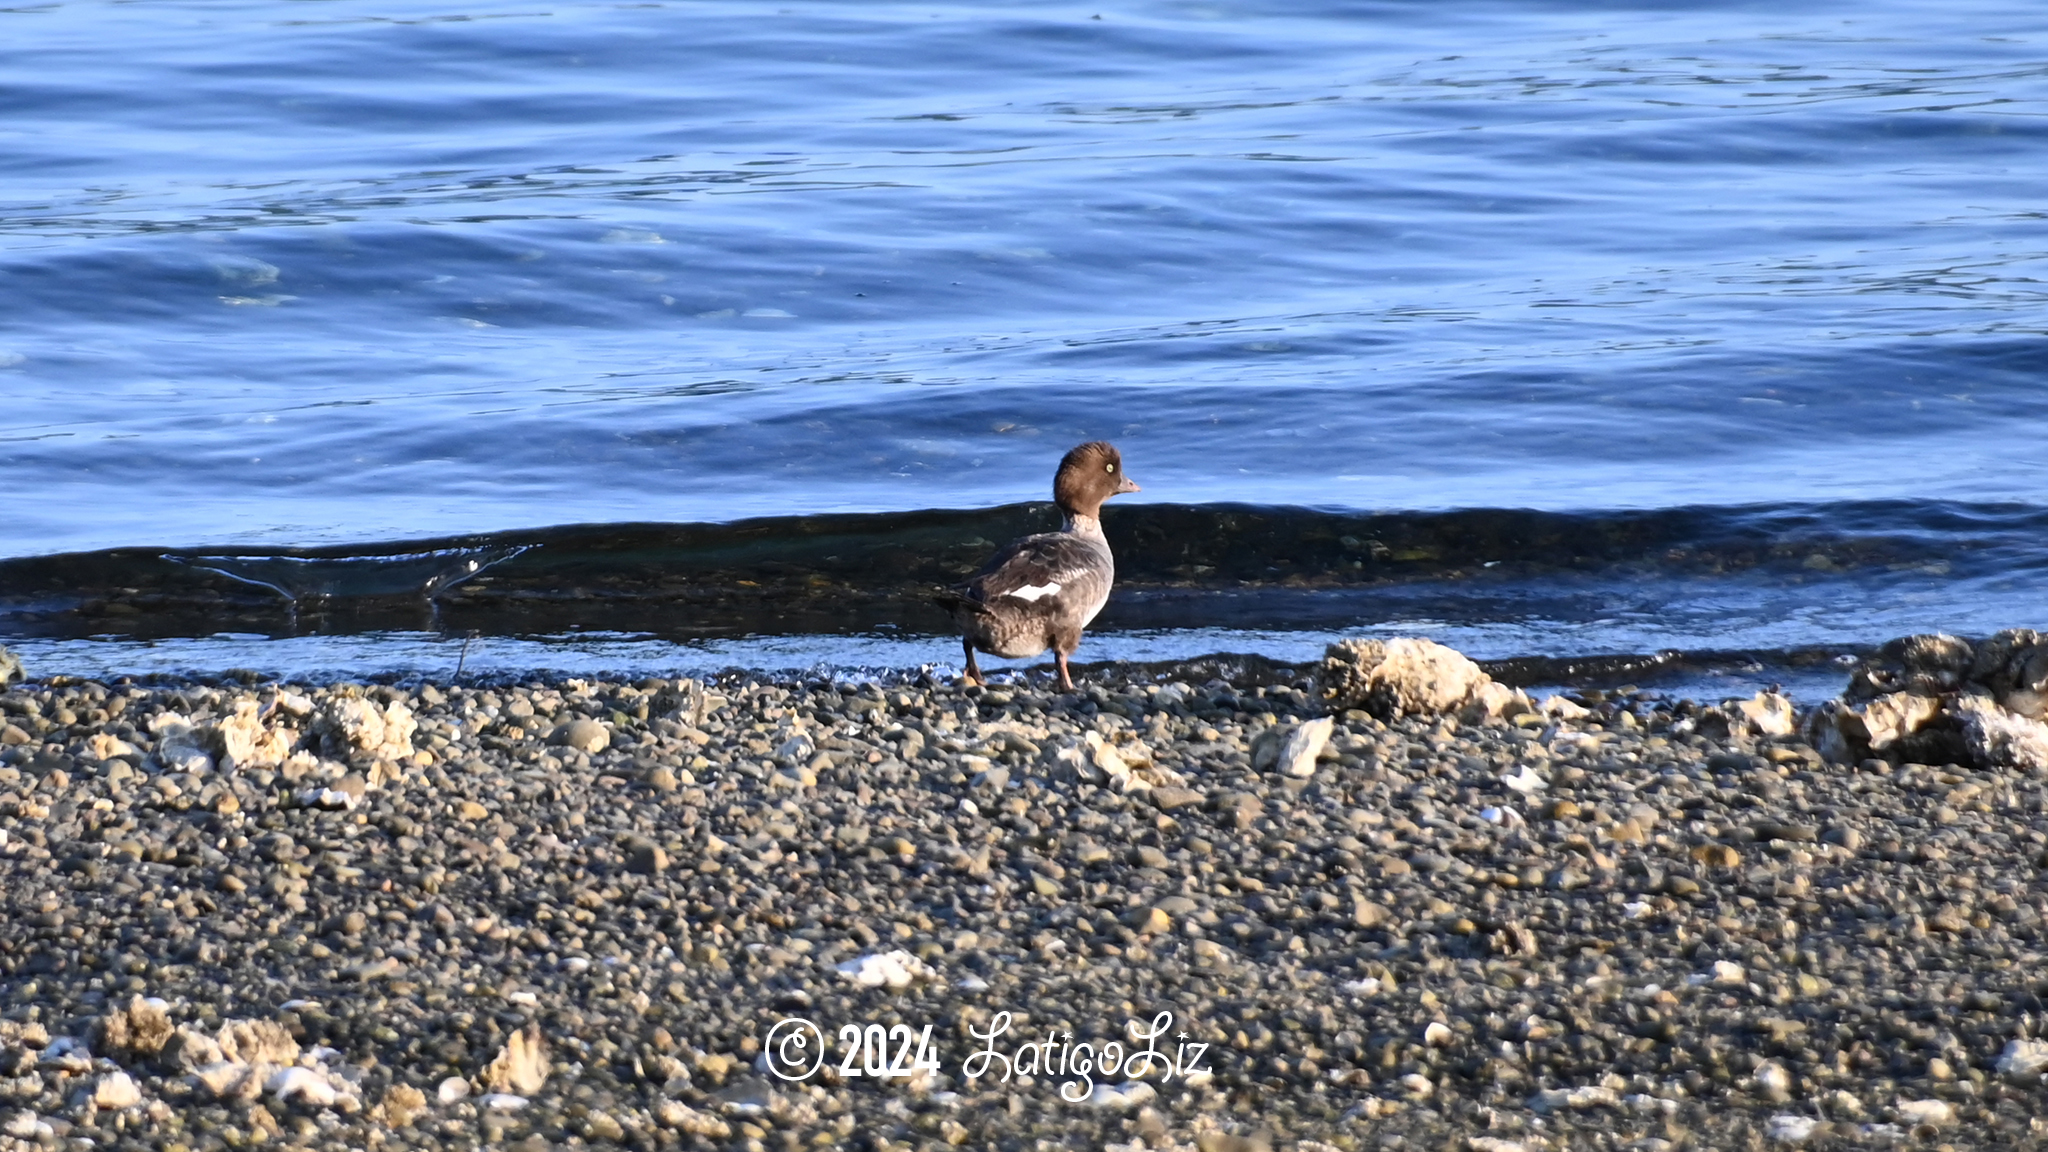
{"x": 295, "y": 272}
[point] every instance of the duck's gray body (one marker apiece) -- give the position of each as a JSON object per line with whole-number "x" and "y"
{"x": 1041, "y": 591}
{"x": 1038, "y": 593}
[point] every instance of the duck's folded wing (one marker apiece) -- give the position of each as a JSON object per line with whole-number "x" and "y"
{"x": 1042, "y": 570}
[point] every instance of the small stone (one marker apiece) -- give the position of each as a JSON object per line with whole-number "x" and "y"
{"x": 1773, "y": 1082}
{"x": 1129, "y": 1094}
{"x": 1843, "y": 837}
{"x": 473, "y": 811}
{"x": 1795, "y": 833}
{"x": 584, "y": 735}
{"x": 115, "y": 1091}
{"x": 647, "y": 859}
{"x": 1790, "y": 1129}
{"x": 373, "y": 969}
{"x": 1931, "y": 1112}
{"x": 1171, "y": 798}
{"x": 1717, "y": 855}
{"x": 451, "y": 1090}
{"x": 1149, "y": 921}
{"x": 687, "y": 1120}
{"x": 1574, "y": 1099}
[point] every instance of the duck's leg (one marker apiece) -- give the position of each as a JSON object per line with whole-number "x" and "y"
{"x": 973, "y": 676}
{"x": 1066, "y": 678}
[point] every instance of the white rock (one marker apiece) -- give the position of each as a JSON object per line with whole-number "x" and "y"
{"x": 115, "y": 1091}
{"x": 502, "y": 1101}
{"x": 293, "y": 704}
{"x": 1769, "y": 714}
{"x": 1493, "y": 700}
{"x": 1296, "y": 755}
{"x": 1727, "y": 974}
{"x": 971, "y": 983}
{"x": 1999, "y": 738}
{"x": 1128, "y": 1094}
{"x": 246, "y": 742}
{"x": 1493, "y": 1144}
{"x": 356, "y": 726}
{"x": 1363, "y": 986}
{"x": 1935, "y": 1112}
{"x": 1416, "y": 1085}
{"x": 28, "y": 1126}
{"x": 303, "y": 1085}
{"x": 1585, "y": 1096}
{"x": 1402, "y": 676}
{"x": 522, "y": 1066}
{"x": 452, "y": 1090}
{"x": 1436, "y": 1035}
{"x": 329, "y": 799}
{"x": 886, "y": 969}
{"x": 1774, "y": 1082}
{"x": 178, "y": 750}
{"x": 1503, "y": 816}
{"x": 1526, "y": 781}
{"x": 107, "y": 746}
{"x": 228, "y": 1080}
{"x": 2023, "y": 1057}
{"x": 1788, "y": 1129}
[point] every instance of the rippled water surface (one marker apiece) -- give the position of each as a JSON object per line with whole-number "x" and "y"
{"x": 348, "y": 272}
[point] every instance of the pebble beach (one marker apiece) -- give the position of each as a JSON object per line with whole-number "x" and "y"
{"x": 543, "y": 914}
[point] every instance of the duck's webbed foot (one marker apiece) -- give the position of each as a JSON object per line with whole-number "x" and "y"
{"x": 972, "y": 677}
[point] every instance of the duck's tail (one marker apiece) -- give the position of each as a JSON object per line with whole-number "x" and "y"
{"x": 956, "y": 602}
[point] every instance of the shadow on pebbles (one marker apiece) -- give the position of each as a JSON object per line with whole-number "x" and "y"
{"x": 1396, "y": 906}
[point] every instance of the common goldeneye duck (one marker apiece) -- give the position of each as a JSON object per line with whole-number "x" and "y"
{"x": 1040, "y": 591}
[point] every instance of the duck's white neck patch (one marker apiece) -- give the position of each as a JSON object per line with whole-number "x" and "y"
{"x": 1031, "y": 592}
{"x": 1087, "y": 527}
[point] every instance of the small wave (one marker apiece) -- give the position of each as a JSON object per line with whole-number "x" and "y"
{"x": 1780, "y": 576}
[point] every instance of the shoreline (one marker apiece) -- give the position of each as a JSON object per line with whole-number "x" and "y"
{"x": 1646, "y": 921}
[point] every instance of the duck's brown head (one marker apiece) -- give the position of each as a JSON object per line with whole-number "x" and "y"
{"x": 1089, "y": 475}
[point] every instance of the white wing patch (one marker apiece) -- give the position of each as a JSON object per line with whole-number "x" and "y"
{"x": 1031, "y": 592}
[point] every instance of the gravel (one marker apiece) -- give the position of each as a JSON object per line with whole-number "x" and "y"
{"x": 537, "y": 914}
